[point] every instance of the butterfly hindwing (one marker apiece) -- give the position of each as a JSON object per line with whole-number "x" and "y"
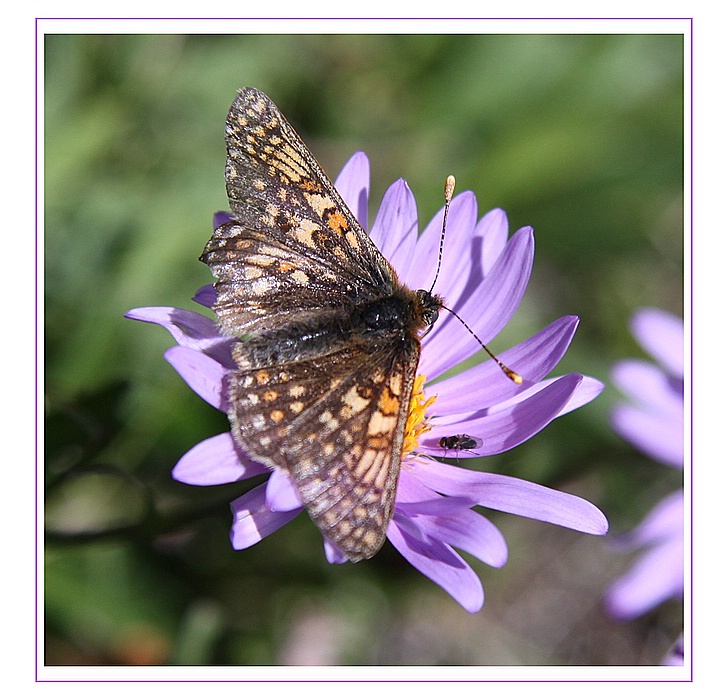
{"x": 334, "y": 426}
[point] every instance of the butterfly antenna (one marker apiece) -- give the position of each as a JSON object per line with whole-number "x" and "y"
{"x": 449, "y": 190}
{"x": 513, "y": 376}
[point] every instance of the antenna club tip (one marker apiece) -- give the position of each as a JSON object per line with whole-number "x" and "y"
{"x": 449, "y": 187}
{"x": 514, "y": 376}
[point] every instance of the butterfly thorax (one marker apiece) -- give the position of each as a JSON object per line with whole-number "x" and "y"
{"x": 404, "y": 311}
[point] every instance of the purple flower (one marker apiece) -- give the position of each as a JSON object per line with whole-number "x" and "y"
{"x": 483, "y": 277}
{"x": 653, "y": 423}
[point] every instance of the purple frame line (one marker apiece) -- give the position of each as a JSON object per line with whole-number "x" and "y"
{"x": 374, "y": 19}
{"x": 36, "y": 340}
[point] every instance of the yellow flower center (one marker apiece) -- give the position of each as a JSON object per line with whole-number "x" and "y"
{"x": 416, "y": 418}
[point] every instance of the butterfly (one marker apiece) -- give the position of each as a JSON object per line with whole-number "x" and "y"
{"x": 329, "y": 338}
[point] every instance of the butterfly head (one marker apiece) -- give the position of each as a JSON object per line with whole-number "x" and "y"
{"x": 428, "y": 309}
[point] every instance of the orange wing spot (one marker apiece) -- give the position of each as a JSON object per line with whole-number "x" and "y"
{"x": 380, "y": 443}
{"x": 284, "y": 266}
{"x": 337, "y": 222}
{"x": 277, "y": 415}
{"x": 388, "y": 403}
{"x": 270, "y": 395}
{"x": 310, "y": 186}
{"x": 262, "y": 376}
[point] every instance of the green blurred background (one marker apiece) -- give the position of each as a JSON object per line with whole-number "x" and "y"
{"x": 580, "y": 136}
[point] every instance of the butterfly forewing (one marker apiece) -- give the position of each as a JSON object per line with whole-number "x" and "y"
{"x": 294, "y": 244}
{"x": 329, "y": 337}
{"x": 276, "y": 186}
{"x": 263, "y": 283}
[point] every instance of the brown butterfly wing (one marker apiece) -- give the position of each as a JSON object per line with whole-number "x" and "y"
{"x": 335, "y": 424}
{"x": 293, "y": 244}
